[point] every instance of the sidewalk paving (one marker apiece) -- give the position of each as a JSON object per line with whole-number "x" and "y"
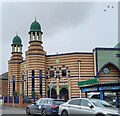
{"x": 9, "y": 107}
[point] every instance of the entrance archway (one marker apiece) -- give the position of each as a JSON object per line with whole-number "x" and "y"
{"x": 64, "y": 94}
{"x": 53, "y": 93}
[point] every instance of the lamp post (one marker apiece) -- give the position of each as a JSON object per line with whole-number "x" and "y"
{"x": 51, "y": 86}
{"x": 27, "y": 83}
{"x": 69, "y": 83}
{"x": 58, "y": 78}
{"x": 23, "y": 85}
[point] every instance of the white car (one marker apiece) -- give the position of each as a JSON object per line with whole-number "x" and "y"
{"x": 110, "y": 98}
{"x": 88, "y": 107}
{"x": 1, "y": 101}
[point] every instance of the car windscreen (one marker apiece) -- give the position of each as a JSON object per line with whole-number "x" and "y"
{"x": 58, "y": 102}
{"x": 100, "y": 103}
{"x": 106, "y": 104}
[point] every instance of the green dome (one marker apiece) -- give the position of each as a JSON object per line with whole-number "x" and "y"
{"x": 117, "y": 46}
{"x": 35, "y": 27}
{"x": 17, "y": 40}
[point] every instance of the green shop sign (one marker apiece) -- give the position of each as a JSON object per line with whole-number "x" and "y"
{"x": 88, "y": 82}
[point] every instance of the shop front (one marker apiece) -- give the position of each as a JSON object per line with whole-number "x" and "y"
{"x": 108, "y": 91}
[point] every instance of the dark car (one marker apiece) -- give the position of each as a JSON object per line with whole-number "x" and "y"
{"x": 45, "y": 106}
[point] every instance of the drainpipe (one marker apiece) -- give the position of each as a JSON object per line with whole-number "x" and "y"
{"x": 79, "y": 75}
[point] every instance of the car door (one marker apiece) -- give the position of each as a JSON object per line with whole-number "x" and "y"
{"x": 74, "y": 107}
{"x": 85, "y": 108}
{"x": 34, "y": 109}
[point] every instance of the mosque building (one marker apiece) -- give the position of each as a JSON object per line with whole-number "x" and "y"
{"x": 60, "y": 75}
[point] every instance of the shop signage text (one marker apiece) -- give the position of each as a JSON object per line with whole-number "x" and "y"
{"x": 88, "y": 82}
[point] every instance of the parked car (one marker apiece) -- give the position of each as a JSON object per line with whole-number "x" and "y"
{"x": 1, "y": 101}
{"x": 110, "y": 98}
{"x": 45, "y": 106}
{"x": 88, "y": 107}
{"x": 29, "y": 100}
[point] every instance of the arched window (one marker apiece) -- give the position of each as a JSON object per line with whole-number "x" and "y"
{"x": 51, "y": 73}
{"x": 63, "y": 72}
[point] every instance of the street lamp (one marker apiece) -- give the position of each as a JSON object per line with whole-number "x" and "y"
{"x": 50, "y": 86}
{"x": 23, "y": 85}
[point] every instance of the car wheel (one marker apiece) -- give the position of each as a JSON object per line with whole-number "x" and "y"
{"x": 27, "y": 111}
{"x": 99, "y": 115}
{"x": 64, "y": 113}
{"x": 44, "y": 113}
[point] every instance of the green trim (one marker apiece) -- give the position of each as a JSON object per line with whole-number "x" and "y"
{"x": 17, "y": 40}
{"x": 35, "y": 26}
{"x": 63, "y": 88}
{"x": 52, "y": 88}
{"x": 107, "y": 57}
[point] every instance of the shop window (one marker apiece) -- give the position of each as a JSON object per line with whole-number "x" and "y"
{"x": 51, "y": 74}
{"x": 63, "y": 73}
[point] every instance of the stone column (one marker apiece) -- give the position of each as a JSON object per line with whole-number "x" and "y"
{"x": 40, "y": 37}
{"x": 35, "y": 35}
{"x": 16, "y": 48}
{"x": 20, "y": 48}
{"x": 13, "y": 48}
{"x": 31, "y": 36}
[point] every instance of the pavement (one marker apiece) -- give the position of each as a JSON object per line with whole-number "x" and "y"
{"x": 10, "y": 111}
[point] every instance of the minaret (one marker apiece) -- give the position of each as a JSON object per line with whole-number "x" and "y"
{"x": 36, "y": 62}
{"x": 14, "y": 66}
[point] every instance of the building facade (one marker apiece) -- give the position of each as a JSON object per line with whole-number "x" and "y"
{"x": 57, "y": 76}
{"x": 4, "y": 84}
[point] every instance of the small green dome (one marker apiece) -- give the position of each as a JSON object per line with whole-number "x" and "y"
{"x": 17, "y": 40}
{"x": 117, "y": 46}
{"x": 35, "y": 27}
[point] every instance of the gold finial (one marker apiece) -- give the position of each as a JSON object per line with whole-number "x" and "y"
{"x": 16, "y": 33}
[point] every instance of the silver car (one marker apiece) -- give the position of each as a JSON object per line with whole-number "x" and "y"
{"x": 88, "y": 107}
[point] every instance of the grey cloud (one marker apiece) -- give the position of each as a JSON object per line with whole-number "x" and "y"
{"x": 62, "y": 15}
{"x": 61, "y": 22}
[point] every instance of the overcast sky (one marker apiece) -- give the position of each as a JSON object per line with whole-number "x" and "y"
{"x": 67, "y": 26}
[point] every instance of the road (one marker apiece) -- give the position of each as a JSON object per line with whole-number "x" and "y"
{"x": 9, "y": 111}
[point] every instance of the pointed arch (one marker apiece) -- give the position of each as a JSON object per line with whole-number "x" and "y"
{"x": 63, "y": 88}
{"x": 109, "y": 63}
{"x": 53, "y": 93}
{"x": 64, "y": 93}
{"x": 112, "y": 67}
